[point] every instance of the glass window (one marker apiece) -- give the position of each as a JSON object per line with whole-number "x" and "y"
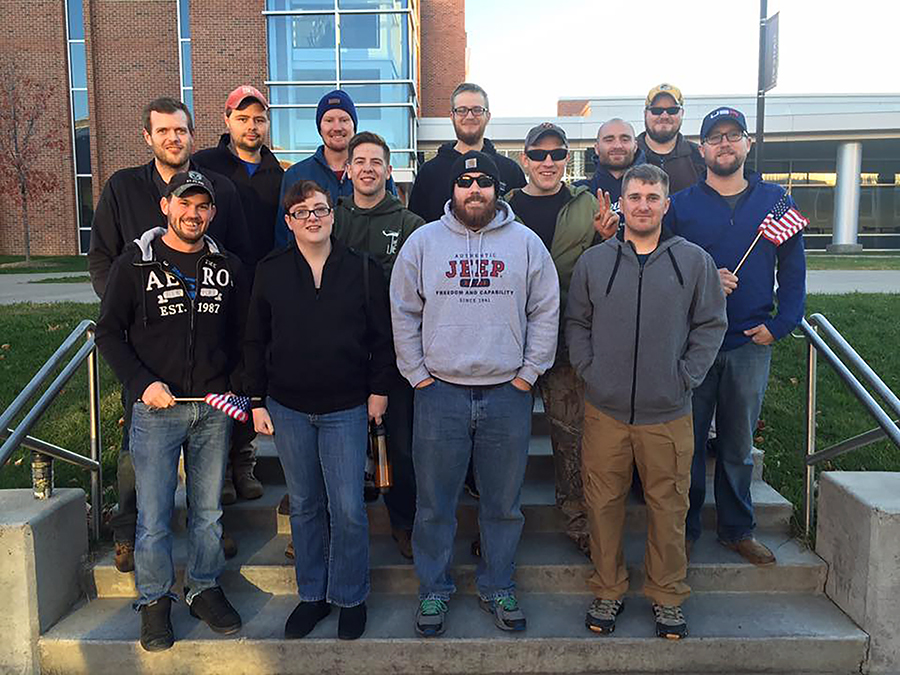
{"x": 298, "y": 94}
{"x": 184, "y": 15}
{"x": 376, "y": 43}
{"x": 379, "y": 93}
{"x": 373, "y": 4}
{"x": 294, "y": 129}
{"x": 301, "y": 48}
{"x": 77, "y": 65}
{"x": 75, "y": 19}
{"x": 187, "y": 96}
{"x": 390, "y": 123}
{"x": 84, "y": 237}
{"x": 82, "y": 148}
{"x": 300, "y": 5}
{"x": 85, "y": 201}
{"x": 186, "y": 69}
{"x": 80, "y": 107}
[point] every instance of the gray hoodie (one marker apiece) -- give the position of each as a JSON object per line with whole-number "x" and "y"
{"x": 643, "y": 338}
{"x": 474, "y": 308}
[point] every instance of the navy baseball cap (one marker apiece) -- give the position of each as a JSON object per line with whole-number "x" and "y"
{"x": 190, "y": 180}
{"x": 720, "y": 115}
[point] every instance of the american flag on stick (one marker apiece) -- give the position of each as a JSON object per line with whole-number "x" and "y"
{"x": 779, "y": 225}
{"x": 234, "y": 406}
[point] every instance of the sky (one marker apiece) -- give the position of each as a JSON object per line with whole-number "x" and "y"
{"x": 529, "y": 53}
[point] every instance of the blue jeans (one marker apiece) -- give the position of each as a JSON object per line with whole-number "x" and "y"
{"x": 733, "y": 390}
{"x": 156, "y": 441}
{"x": 491, "y": 425}
{"x": 324, "y": 460}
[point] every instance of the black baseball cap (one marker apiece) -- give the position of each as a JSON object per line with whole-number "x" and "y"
{"x": 545, "y": 129}
{"x": 190, "y": 180}
{"x": 720, "y": 115}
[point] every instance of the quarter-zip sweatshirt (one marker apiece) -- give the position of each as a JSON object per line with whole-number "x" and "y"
{"x": 643, "y": 336}
{"x": 150, "y": 329}
{"x": 684, "y": 165}
{"x": 701, "y": 215}
{"x": 322, "y": 350}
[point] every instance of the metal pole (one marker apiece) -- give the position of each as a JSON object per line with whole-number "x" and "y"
{"x": 760, "y": 89}
{"x": 810, "y": 476}
{"x": 96, "y": 445}
{"x": 846, "y": 199}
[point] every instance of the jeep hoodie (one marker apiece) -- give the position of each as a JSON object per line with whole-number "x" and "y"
{"x": 474, "y": 308}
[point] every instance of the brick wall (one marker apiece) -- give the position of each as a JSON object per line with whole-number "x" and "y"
{"x": 443, "y": 56}
{"x": 34, "y": 37}
{"x": 573, "y": 108}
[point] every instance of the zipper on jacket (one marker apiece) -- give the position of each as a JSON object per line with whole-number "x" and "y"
{"x": 637, "y": 336}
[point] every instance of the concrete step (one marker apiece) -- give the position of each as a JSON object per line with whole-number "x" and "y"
{"x": 758, "y": 633}
{"x": 540, "y": 460}
{"x": 545, "y": 562}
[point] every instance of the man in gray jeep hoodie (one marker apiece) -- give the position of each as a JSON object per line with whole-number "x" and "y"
{"x": 644, "y": 322}
{"x": 475, "y": 310}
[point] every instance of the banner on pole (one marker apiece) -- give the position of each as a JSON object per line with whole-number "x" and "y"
{"x": 770, "y": 78}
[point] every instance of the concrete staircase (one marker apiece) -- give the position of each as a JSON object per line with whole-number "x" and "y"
{"x": 742, "y": 619}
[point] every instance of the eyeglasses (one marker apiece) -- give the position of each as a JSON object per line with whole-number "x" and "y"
{"x": 658, "y": 110}
{"x": 304, "y": 214}
{"x": 732, "y": 136}
{"x": 539, "y": 155}
{"x": 463, "y": 111}
{"x": 482, "y": 181}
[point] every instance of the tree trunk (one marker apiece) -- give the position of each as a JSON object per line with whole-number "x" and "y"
{"x": 27, "y": 230}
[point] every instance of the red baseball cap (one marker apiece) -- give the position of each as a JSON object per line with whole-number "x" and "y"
{"x": 245, "y": 91}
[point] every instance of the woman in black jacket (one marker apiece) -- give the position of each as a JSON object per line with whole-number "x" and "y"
{"x": 318, "y": 352}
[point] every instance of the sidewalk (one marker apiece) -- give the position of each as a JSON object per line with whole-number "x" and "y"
{"x": 15, "y": 287}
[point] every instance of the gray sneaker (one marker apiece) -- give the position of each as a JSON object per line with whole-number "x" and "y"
{"x": 506, "y": 612}
{"x": 430, "y": 616}
{"x": 670, "y": 623}
{"x": 601, "y": 615}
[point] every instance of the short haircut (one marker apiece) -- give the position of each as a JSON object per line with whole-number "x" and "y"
{"x": 245, "y": 103}
{"x": 166, "y": 106}
{"x": 301, "y": 191}
{"x": 611, "y": 121}
{"x": 646, "y": 173}
{"x": 469, "y": 86}
{"x": 364, "y": 137}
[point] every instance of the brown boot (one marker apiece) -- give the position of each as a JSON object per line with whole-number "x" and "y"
{"x": 752, "y": 551}
{"x": 125, "y": 556}
{"x": 688, "y": 547}
{"x": 289, "y": 550}
{"x": 284, "y": 506}
{"x": 404, "y": 541}
{"x": 246, "y": 485}
{"x": 229, "y": 546}
{"x": 229, "y": 494}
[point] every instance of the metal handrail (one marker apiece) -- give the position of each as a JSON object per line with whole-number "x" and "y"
{"x": 43, "y": 452}
{"x": 836, "y": 356}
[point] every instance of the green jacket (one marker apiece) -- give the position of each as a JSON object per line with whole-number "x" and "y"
{"x": 380, "y": 231}
{"x": 573, "y": 236}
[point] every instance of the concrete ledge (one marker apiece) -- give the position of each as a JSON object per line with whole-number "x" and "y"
{"x": 42, "y": 543}
{"x": 859, "y": 537}
{"x": 840, "y": 249}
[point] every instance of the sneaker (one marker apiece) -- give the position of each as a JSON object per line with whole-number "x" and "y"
{"x": 229, "y": 494}
{"x": 430, "y": 616}
{"x": 752, "y": 551}
{"x": 670, "y": 623}
{"x": 506, "y": 611}
{"x": 229, "y": 546}
{"x": 156, "y": 625}
{"x": 352, "y": 622}
{"x": 304, "y": 618}
{"x": 125, "y": 556}
{"x": 601, "y": 615}
{"x": 404, "y": 541}
{"x": 212, "y": 607}
{"x": 247, "y": 486}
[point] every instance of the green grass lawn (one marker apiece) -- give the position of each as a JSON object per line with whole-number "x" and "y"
{"x": 75, "y": 279}
{"x": 30, "y": 333}
{"x": 868, "y": 261}
{"x": 14, "y": 264}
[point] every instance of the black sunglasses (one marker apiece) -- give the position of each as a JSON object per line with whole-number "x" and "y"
{"x": 538, "y": 155}
{"x": 482, "y": 181}
{"x": 659, "y": 110}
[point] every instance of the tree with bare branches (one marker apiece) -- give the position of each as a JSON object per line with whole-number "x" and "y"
{"x": 26, "y": 134}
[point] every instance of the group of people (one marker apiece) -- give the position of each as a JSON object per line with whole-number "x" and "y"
{"x": 317, "y": 295}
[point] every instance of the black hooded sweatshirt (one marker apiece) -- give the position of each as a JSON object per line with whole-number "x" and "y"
{"x": 432, "y": 187}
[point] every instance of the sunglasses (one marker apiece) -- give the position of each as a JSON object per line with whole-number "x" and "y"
{"x": 482, "y": 181}
{"x": 537, "y": 155}
{"x": 669, "y": 110}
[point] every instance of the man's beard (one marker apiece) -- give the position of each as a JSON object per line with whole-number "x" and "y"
{"x": 186, "y": 237}
{"x": 727, "y": 170}
{"x": 477, "y": 220}
{"x": 664, "y": 136}
{"x": 609, "y": 163}
{"x": 468, "y": 135}
{"x": 165, "y": 157}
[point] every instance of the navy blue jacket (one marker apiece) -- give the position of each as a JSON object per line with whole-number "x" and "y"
{"x": 317, "y": 169}
{"x": 604, "y": 180}
{"x": 701, "y": 215}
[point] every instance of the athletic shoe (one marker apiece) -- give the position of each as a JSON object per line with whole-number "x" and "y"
{"x": 156, "y": 625}
{"x": 506, "y": 612}
{"x": 601, "y": 615}
{"x": 212, "y": 607}
{"x": 430, "y": 616}
{"x": 670, "y": 623}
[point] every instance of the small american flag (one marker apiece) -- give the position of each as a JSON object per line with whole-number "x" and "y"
{"x": 233, "y": 406}
{"x": 782, "y": 222}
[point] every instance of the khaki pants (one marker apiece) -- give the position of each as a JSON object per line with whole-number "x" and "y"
{"x": 662, "y": 453}
{"x": 563, "y": 394}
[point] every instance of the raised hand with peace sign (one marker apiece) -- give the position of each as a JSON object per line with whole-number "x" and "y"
{"x": 606, "y": 220}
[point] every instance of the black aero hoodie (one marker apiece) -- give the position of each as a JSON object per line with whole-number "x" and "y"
{"x": 432, "y": 187}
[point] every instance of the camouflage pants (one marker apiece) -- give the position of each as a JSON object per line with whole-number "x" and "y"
{"x": 563, "y": 394}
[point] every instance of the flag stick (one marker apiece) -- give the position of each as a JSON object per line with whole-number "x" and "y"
{"x": 187, "y": 399}
{"x": 735, "y": 270}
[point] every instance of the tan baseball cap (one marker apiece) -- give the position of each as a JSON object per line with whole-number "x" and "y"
{"x": 665, "y": 88}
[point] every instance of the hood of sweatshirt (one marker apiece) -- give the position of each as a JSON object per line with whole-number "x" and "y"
{"x": 390, "y": 204}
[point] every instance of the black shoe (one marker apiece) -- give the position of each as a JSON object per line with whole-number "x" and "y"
{"x": 304, "y": 618}
{"x": 352, "y": 622}
{"x": 475, "y": 548}
{"x": 156, "y": 625}
{"x": 213, "y": 607}
{"x": 229, "y": 546}
{"x": 601, "y": 615}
